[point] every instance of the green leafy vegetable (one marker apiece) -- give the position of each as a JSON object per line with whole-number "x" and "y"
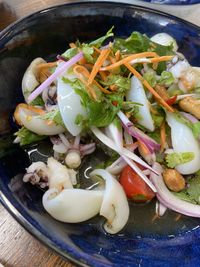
{"x": 195, "y": 127}
{"x": 158, "y": 119}
{"x": 192, "y": 192}
{"x": 175, "y": 159}
{"x": 38, "y": 101}
{"x": 87, "y": 52}
{"x": 150, "y": 77}
{"x": 71, "y": 52}
{"x": 183, "y": 195}
{"x": 27, "y": 137}
{"x": 54, "y": 116}
{"x": 166, "y": 78}
{"x": 100, "y": 113}
{"x": 98, "y": 42}
{"x": 123, "y": 83}
{"x": 137, "y": 43}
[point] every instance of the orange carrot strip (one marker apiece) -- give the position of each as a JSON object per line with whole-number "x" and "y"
{"x": 97, "y": 49}
{"x": 162, "y": 136}
{"x": 161, "y": 59}
{"x": 103, "y": 75}
{"x": 81, "y": 73}
{"x": 112, "y": 59}
{"x": 128, "y": 59}
{"x": 148, "y": 86}
{"x": 82, "y": 70}
{"x": 100, "y": 60}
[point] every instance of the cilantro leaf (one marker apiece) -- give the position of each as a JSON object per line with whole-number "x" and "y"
{"x": 27, "y": 137}
{"x": 71, "y": 52}
{"x": 100, "y": 113}
{"x": 138, "y": 42}
{"x": 123, "y": 83}
{"x": 175, "y": 159}
{"x": 98, "y": 42}
{"x": 192, "y": 192}
{"x": 194, "y": 188}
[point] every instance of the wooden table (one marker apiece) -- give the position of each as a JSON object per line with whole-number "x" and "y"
{"x": 17, "y": 247}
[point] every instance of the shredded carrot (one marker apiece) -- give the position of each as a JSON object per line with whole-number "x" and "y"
{"x": 103, "y": 75}
{"x": 100, "y": 60}
{"x": 128, "y": 59}
{"x": 72, "y": 45}
{"x": 97, "y": 50}
{"x": 79, "y": 71}
{"x": 113, "y": 87}
{"x": 117, "y": 55}
{"x": 82, "y": 74}
{"x": 148, "y": 86}
{"x": 162, "y": 136}
{"x": 112, "y": 59}
{"x": 28, "y": 107}
{"x": 161, "y": 59}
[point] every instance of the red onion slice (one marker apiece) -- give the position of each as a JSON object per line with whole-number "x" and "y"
{"x": 65, "y": 66}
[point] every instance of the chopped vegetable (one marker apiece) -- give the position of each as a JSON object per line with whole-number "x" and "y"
{"x": 175, "y": 159}
{"x": 27, "y": 137}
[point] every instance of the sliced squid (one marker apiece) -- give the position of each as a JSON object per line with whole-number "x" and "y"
{"x": 70, "y": 105}
{"x": 28, "y": 116}
{"x": 30, "y": 80}
{"x": 137, "y": 94}
{"x": 115, "y": 206}
{"x": 165, "y": 40}
{"x": 59, "y": 175}
{"x": 72, "y": 205}
{"x": 183, "y": 140}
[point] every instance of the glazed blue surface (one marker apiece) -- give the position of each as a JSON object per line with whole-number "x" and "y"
{"x": 173, "y": 2}
{"x": 86, "y": 243}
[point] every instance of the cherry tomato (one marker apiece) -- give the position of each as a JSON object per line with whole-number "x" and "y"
{"x": 135, "y": 188}
{"x": 171, "y": 100}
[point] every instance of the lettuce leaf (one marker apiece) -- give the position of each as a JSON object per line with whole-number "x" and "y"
{"x": 27, "y": 137}
{"x": 175, "y": 159}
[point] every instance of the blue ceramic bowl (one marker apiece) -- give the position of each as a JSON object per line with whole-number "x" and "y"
{"x": 173, "y": 2}
{"x": 163, "y": 242}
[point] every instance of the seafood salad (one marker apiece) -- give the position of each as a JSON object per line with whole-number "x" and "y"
{"x": 137, "y": 99}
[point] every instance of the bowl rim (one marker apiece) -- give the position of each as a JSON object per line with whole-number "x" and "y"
{"x": 4, "y": 200}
